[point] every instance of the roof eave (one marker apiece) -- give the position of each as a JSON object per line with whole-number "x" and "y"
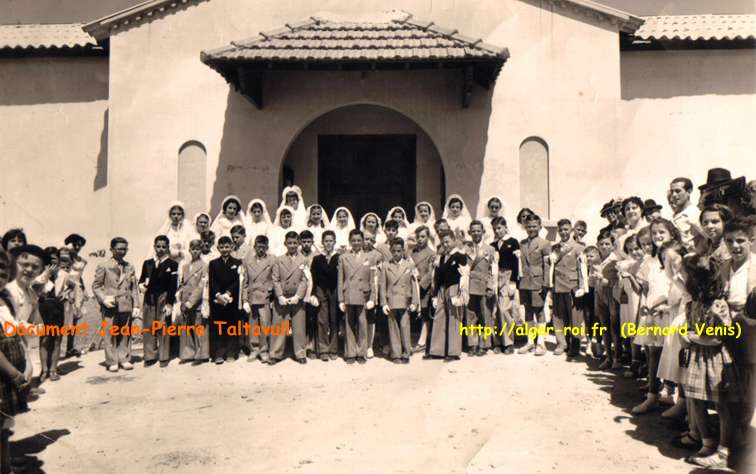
{"x": 103, "y": 27}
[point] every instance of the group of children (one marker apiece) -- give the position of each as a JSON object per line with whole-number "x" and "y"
{"x": 242, "y": 284}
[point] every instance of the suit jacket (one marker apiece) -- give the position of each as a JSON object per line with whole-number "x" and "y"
{"x": 289, "y": 277}
{"x": 535, "y": 263}
{"x": 259, "y": 281}
{"x": 423, "y": 260}
{"x": 744, "y": 348}
{"x": 325, "y": 272}
{"x": 385, "y": 250}
{"x": 160, "y": 279}
{"x": 356, "y": 275}
{"x": 192, "y": 284}
{"x": 118, "y": 281}
{"x": 484, "y": 268}
{"x": 568, "y": 272}
{"x": 242, "y": 252}
{"x": 224, "y": 276}
{"x": 398, "y": 284}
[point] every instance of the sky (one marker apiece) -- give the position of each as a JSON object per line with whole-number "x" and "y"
{"x": 70, "y": 11}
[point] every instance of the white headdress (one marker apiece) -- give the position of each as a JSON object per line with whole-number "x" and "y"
{"x": 276, "y": 233}
{"x": 380, "y": 236}
{"x": 299, "y": 215}
{"x": 179, "y": 236}
{"x": 485, "y": 217}
{"x": 416, "y": 222}
{"x": 404, "y": 223}
{"x": 260, "y": 227}
{"x": 325, "y": 222}
{"x": 462, "y": 221}
{"x": 342, "y": 233}
{"x": 222, "y": 225}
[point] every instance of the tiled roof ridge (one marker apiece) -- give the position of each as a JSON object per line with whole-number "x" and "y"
{"x": 700, "y": 27}
{"x": 44, "y": 36}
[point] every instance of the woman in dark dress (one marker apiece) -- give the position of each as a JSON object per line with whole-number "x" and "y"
{"x": 52, "y": 294}
{"x": 448, "y": 294}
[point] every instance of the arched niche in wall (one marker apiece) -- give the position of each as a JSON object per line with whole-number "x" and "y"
{"x": 192, "y": 176}
{"x": 534, "y": 176}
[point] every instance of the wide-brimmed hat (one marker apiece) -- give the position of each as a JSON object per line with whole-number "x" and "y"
{"x": 649, "y": 205}
{"x": 718, "y": 177}
{"x": 30, "y": 249}
{"x": 606, "y": 208}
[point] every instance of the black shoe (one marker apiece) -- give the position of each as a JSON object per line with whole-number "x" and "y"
{"x": 508, "y": 350}
{"x": 361, "y": 360}
{"x": 349, "y": 361}
{"x": 218, "y": 360}
{"x": 405, "y": 360}
{"x": 427, "y": 357}
{"x": 197, "y": 362}
{"x": 73, "y": 353}
{"x": 163, "y": 364}
{"x": 273, "y": 361}
{"x": 450, "y": 358}
{"x": 301, "y": 360}
{"x": 324, "y": 358}
{"x": 497, "y": 350}
{"x": 149, "y": 363}
{"x": 396, "y": 361}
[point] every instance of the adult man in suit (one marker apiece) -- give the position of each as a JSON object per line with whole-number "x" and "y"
{"x": 159, "y": 282}
{"x": 325, "y": 268}
{"x": 400, "y": 294}
{"x": 534, "y": 281}
{"x": 225, "y": 280}
{"x": 289, "y": 288}
{"x": 116, "y": 289}
{"x": 569, "y": 283}
{"x": 484, "y": 268}
{"x": 259, "y": 283}
{"x": 355, "y": 291}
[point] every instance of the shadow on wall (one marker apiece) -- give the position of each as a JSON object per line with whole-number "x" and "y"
{"x": 101, "y": 177}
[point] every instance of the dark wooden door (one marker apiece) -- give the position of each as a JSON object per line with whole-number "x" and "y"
{"x": 366, "y": 173}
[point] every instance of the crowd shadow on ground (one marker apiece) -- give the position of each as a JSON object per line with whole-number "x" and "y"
{"x": 24, "y": 451}
{"x": 651, "y": 428}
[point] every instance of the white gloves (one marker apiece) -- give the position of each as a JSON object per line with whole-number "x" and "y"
{"x": 247, "y": 308}
{"x": 342, "y": 307}
{"x": 314, "y": 301}
{"x": 386, "y": 309}
{"x": 136, "y": 313}
{"x": 370, "y": 304}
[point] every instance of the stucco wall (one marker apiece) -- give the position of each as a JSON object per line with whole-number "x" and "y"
{"x": 53, "y": 117}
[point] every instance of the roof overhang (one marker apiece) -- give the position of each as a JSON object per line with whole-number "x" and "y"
{"x": 135, "y": 15}
{"x": 403, "y": 43}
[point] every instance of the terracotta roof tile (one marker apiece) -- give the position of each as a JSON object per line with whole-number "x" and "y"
{"x": 698, "y": 27}
{"x": 35, "y": 36}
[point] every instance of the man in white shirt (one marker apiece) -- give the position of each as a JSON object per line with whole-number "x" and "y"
{"x": 685, "y": 214}
{"x": 29, "y": 265}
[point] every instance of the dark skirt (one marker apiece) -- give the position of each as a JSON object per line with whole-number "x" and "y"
{"x": 52, "y": 311}
{"x": 12, "y": 400}
{"x": 711, "y": 375}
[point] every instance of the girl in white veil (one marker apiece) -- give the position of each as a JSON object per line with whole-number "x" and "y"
{"x": 283, "y": 224}
{"x": 394, "y": 214}
{"x": 375, "y": 227}
{"x": 317, "y": 222}
{"x": 257, "y": 221}
{"x": 231, "y": 214}
{"x": 201, "y": 222}
{"x": 179, "y": 231}
{"x": 291, "y": 196}
{"x": 457, "y": 215}
{"x": 424, "y": 215}
{"x": 494, "y": 207}
{"x": 342, "y": 223}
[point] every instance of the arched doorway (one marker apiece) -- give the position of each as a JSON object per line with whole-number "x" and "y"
{"x": 365, "y": 157}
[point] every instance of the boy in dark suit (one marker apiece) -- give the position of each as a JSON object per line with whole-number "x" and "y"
{"x": 325, "y": 275}
{"x": 258, "y": 267}
{"x": 225, "y": 279}
{"x": 159, "y": 281}
{"x": 355, "y": 293}
{"x": 289, "y": 288}
{"x": 534, "y": 281}
{"x": 569, "y": 283}
{"x": 116, "y": 289}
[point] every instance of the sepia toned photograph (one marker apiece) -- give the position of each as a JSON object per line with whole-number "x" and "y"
{"x": 397, "y": 236}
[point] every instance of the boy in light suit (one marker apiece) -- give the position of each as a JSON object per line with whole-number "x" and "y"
{"x": 400, "y": 294}
{"x": 159, "y": 281}
{"x": 239, "y": 237}
{"x": 422, "y": 256}
{"x": 484, "y": 268}
{"x": 116, "y": 289}
{"x": 259, "y": 282}
{"x": 374, "y": 323}
{"x": 289, "y": 289}
{"x": 355, "y": 296}
{"x": 308, "y": 250}
{"x": 569, "y": 283}
{"x": 193, "y": 346}
{"x": 534, "y": 281}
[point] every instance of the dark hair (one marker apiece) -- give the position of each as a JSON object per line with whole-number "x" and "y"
{"x": 256, "y": 205}
{"x": 234, "y": 200}
{"x": 13, "y": 234}
{"x": 533, "y": 218}
{"x": 725, "y": 213}
{"x": 581, "y": 224}
{"x": 207, "y": 235}
{"x": 117, "y": 240}
{"x": 631, "y": 239}
{"x": 738, "y": 225}
{"x": 225, "y": 240}
{"x": 605, "y": 235}
{"x": 327, "y": 232}
{"x": 438, "y": 223}
{"x": 478, "y": 223}
{"x": 238, "y": 229}
{"x": 50, "y": 252}
{"x": 355, "y": 232}
{"x": 73, "y": 239}
{"x": 645, "y": 230}
{"x": 162, "y": 238}
{"x": 262, "y": 240}
{"x": 195, "y": 243}
{"x": 291, "y": 235}
{"x": 446, "y": 233}
{"x": 177, "y": 206}
{"x": 456, "y": 199}
{"x": 635, "y": 200}
{"x": 391, "y": 225}
{"x": 523, "y": 211}
{"x": 306, "y": 234}
{"x": 498, "y": 220}
{"x": 397, "y": 241}
{"x": 703, "y": 282}
{"x": 5, "y": 261}
{"x": 494, "y": 198}
{"x": 562, "y": 222}
{"x": 619, "y": 225}
{"x": 421, "y": 228}
{"x": 675, "y": 245}
{"x": 671, "y": 228}
{"x": 285, "y": 211}
{"x": 590, "y": 248}
{"x": 687, "y": 183}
